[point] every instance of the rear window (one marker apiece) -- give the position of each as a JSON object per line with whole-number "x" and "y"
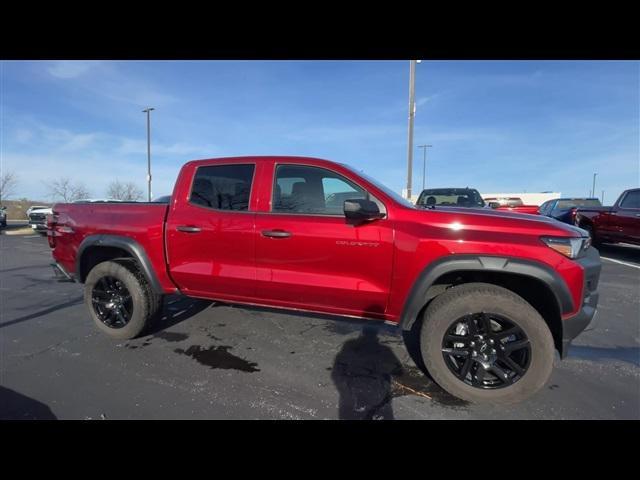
{"x": 223, "y": 187}
{"x": 578, "y": 202}
{"x": 450, "y": 197}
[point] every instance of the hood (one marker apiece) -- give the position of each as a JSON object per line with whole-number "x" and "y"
{"x": 495, "y": 219}
{"x": 41, "y": 210}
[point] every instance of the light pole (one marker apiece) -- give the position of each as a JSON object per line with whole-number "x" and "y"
{"x": 424, "y": 161}
{"x": 148, "y": 111}
{"x": 412, "y": 114}
{"x": 593, "y": 189}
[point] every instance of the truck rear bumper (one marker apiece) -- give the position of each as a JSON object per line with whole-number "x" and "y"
{"x": 59, "y": 271}
{"x": 573, "y": 326}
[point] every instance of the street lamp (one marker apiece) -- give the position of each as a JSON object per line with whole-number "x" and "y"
{"x": 593, "y": 190}
{"x": 424, "y": 161}
{"x": 148, "y": 111}
{"x": 412, "y": 114}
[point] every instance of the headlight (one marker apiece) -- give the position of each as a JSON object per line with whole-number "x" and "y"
{"x": 572, "y": 247}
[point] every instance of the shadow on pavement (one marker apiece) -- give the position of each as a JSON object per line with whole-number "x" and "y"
{"x": 176, "y": 309}
{"x": 625, "y": 354}
{"x": 46, "y": 311}
{"x": 368, "y": 375}
{"x": 15, "y": 406}
{"x": 362, "y": 372}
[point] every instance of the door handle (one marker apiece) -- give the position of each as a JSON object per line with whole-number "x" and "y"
{"x": 188, "y": 229}
{"x": 276, "y": 233}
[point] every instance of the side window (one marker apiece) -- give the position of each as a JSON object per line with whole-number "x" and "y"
{"x": 223, "y": 187}
{"x": 313, "y": 190}
{"x": 631, "y": 200}
{"x": 544, "y": 209}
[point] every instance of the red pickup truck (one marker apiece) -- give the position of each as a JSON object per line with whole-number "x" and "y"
{"x": 491, "y": 294}
{"x": 620, "y": 223}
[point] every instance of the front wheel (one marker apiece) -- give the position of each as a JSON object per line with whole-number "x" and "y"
{"x": 119, "y": 299}
{"x": 483, "y": 343}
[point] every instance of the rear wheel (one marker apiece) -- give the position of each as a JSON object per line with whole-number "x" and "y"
{"x": 484, "y": 343}
{"x": 119, "y": 299}
{"x": 594, "y": 241}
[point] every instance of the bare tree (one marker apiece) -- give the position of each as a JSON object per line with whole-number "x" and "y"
{"x": 67, "y": 191}
{"x": 8, "y": 183}
{"x": 129, "y": 191}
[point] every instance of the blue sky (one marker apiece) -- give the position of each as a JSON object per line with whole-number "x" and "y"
{"x": 505, "y": 126}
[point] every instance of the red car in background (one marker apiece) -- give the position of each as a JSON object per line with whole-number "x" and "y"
{"x": 512, "y": 204}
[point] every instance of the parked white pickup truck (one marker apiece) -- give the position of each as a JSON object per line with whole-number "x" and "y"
{"x": 38, "y": 218}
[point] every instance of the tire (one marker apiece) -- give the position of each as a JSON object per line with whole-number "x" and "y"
{"x": 458, "y": 302}
{"x": 594, "y": 241}
{"x": 143, "y": 305}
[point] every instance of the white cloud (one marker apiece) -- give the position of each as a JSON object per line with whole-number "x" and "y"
{"x": 70, "y": 68}
{"x": 22, "y": 135}
{"x": 129, "y": 146}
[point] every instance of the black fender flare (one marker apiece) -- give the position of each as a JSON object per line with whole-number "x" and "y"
{"x": 125, "y": 243}
{"x": 518, "y": 266}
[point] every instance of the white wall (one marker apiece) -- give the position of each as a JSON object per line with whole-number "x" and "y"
{"x": 527, "y": 198}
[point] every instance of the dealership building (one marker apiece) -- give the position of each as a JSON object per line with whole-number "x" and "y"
{"x": 527, "y": 198}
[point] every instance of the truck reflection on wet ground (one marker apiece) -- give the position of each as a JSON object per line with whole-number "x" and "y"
{"x": 218, "y": 357}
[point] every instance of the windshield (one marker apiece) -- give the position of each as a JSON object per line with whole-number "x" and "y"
{"x": 451, "y": 197}
{"x": 397, "y": 197}
{"x": 578, "y": 202}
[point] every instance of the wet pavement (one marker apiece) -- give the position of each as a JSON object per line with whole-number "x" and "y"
{"x": 207, "y": 360}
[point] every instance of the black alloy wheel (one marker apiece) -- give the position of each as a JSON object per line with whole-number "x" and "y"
{"x": 112, "y": 302}
{"x": 486, "y": 350}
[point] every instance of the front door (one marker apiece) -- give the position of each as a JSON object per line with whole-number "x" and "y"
{"x": 308, "y": 256}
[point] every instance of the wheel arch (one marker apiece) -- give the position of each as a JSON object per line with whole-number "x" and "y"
{"x": 537, "y": 283}
{"x": 95, "y": 249}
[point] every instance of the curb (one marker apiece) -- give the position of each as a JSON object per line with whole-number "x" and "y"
{"x": 18, "y": 231}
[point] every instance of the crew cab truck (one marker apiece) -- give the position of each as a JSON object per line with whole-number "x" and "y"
{"x": 617, "y": 224}
{"x": 490, "y": 294}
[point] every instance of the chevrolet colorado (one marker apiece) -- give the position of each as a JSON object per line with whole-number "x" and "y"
{"x": 620, "y": 223}
{"x": 491, "y": 294}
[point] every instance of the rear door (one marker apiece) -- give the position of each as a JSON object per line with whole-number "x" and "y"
{"x": 308, "y": 256}
{"x": 210, "y": 233}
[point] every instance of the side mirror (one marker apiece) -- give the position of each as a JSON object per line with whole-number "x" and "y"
{"x": 494, "y": 204}
{"x": 362, "y": 210}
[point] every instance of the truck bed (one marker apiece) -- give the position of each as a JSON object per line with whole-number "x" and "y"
{"x": 142, "y": 222}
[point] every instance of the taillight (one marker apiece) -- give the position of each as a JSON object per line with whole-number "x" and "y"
{"x": 574, "y": 215}
{"x": 52, "y": 222}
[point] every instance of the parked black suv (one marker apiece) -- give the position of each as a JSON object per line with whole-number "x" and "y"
{"x": 564, "y": 209}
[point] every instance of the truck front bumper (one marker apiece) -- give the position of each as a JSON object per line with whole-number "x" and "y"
{"x": 573, "y": 326}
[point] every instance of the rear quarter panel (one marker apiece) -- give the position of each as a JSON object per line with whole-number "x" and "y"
{"x": 142, "y": 222}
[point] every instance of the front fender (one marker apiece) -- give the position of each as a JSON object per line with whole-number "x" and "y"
{"x": 517, "y": 266}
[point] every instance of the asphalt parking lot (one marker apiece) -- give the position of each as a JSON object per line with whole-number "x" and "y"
{"x": 211, "y": 361}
